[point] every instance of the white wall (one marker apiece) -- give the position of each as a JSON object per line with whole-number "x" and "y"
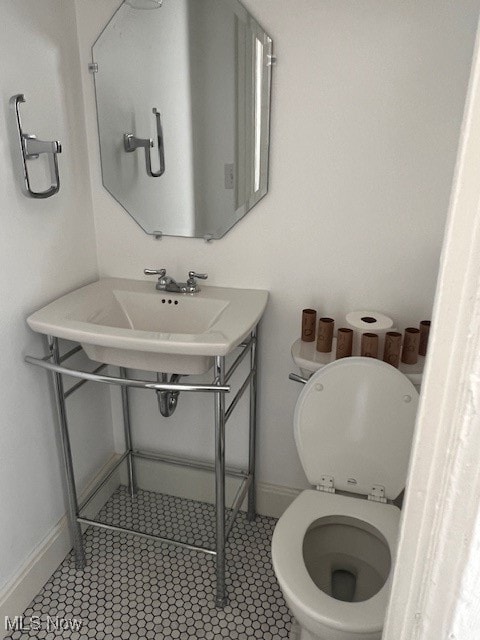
{"x": 46, "y": 248}
{"x": 367, "y": 105}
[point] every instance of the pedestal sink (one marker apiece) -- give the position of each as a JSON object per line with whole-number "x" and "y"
{"x": 130, "y": 324}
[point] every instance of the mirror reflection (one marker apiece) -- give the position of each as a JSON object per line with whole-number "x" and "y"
{"x": 183, "y": 99}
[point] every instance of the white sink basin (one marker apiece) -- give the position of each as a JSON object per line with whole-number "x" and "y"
{"x": 130, "y": 324}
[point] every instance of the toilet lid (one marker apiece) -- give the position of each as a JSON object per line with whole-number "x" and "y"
{"x": 354, "y": 422}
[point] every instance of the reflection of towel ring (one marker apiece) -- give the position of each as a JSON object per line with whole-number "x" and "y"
{"x": 31, "y": 149}
{"x": 130, "y": 142}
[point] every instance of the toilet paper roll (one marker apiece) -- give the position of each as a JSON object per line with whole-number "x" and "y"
{"x": 393, "y": 348}
{"x": 309, "y": 320}
{"x": 411, "y": 344}
{"x": 325, "y": 335}
{"x": 368, "y": 322}
{"x": 424, "y": 334}
{"x": 369, "y": 346}
{"x": 344, "y": 342}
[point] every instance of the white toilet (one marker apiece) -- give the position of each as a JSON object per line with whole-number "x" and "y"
{"x": 333, "y": 549}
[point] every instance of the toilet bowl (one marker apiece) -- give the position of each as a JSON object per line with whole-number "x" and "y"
{"x": 333, "y": 549}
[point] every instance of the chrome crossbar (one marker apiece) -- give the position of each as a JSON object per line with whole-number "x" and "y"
{"x": 141, "y": 534}
{"x": 71, "y": 353}
{"x": 82, "y": 382}
{"x": 187, "y": 462}
{"x": 246, "y": 348}
{"x": 240, "y": 393}
{"x": 296, "y": 378}
{"x": 126, "y": 382}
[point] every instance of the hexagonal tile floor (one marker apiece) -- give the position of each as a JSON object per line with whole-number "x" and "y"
{"x": 136, "y": 588}
{"x": 188, "y": 521}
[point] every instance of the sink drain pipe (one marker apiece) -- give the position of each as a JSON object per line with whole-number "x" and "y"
{"x": 167, "y": 400}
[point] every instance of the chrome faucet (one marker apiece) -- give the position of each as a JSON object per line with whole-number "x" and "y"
{"x": 167, "y": 283}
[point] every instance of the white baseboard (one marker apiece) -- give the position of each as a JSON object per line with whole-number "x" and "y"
{"x": 273, "y": 499}
{"x": 49, "y": 553}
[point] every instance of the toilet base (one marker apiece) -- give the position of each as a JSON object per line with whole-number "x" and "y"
{"x": 297, "y": 633}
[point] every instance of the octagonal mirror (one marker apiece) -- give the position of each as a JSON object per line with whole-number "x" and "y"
{"x": 183, "y": 102}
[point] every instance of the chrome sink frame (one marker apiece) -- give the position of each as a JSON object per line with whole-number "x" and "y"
{"x": 219, "y": 388}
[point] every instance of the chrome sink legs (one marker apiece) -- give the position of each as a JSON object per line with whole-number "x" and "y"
{"x": 69, "y": 478}
{"x": 224, "y": 520}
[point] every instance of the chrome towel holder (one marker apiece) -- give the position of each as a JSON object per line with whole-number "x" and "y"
{"x": 31, "y": 148}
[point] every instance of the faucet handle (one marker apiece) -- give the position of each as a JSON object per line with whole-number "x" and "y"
{"x": 200, "y": 276}
{"x": 155, "y": 272}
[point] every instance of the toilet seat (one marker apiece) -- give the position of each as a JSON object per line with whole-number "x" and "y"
{"x": 353, "y": 424}
{"x": 297, "y": 585}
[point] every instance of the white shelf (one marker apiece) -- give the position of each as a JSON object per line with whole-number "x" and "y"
{"x": 306, "y": 357}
